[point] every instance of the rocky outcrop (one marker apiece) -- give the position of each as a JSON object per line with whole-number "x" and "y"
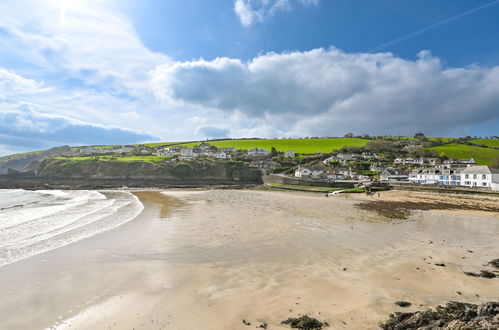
{"x": 454, "y": 315}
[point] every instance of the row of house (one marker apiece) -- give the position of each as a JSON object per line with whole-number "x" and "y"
{"x": 260, "y": 152}
{"x": 471, "y": 176}
{"x": 319, "y": 172}
{"x": 187, "y": 153}
{"x": 124, "y": 149}
{"x": 344, "y": 158}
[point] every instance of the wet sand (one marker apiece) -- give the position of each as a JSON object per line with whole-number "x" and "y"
{"x": 209, "y": 259}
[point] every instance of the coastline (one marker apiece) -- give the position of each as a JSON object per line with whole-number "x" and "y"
{"x": 210, "y": 258}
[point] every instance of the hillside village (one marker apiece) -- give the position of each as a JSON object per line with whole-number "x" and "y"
{"x": 403, "y": 162}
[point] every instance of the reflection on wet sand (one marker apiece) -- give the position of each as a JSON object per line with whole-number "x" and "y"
{"x": 223, "y": 256}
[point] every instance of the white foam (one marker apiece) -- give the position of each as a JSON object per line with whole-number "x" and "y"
{"x": 59, "y": 218}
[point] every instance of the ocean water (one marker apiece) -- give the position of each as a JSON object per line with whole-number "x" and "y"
{"x": 32, "y": 222}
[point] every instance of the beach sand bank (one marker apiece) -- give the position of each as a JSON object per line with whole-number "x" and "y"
{"x": 209, "y": 259}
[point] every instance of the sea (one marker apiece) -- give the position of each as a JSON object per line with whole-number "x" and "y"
{"x": 33, "y": 222}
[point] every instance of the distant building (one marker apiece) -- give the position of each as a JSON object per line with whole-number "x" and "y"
{"x": 187, "y": 153}
{"x": 258, "y": 152}
{"x": 460, "y": 162}
{"x": 393, "y": 174}
{"x": 88, "y": 150}
{"x": 221, "y": 155}
{"x": 377, "y": 167}
{"x": 265, "y": 164}
{"x": 289, "y": 153}
{"x": 310, "y": 172}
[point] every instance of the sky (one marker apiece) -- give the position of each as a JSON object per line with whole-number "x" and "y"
{"x": 86, "y": 72}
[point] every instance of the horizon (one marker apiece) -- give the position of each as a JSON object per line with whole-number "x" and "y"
{"x": 108, "y": 72}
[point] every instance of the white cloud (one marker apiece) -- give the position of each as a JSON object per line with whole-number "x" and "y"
{"x": 253, "y": 11}
{"x": 330, "y": 92}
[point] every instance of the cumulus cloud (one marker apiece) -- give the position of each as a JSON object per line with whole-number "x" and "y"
{"x": 253, "y": 11}
{"x": 327, "y": 92}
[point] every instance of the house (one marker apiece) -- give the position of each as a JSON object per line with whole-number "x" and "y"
{"x": 377, "y": 167}
{"x": 393, "y": 174}
{"x": 342, "y": 173}
{"x": 187, "y": 153}
{"x": 221, "y": 155}
{"x": 460, "y": 162}
{"x": 480, "y": 176}
{"x": 310, "y": 172}
{"x": 346, "y": 156}
{"x": 368, "y": 155}
{"x": 440, "y": 176}
{"x": 88, "y": 150}
{"x": 265, "y": 164}
{"x": 258, "y": 152}
{"x": 166, "y": 152}
{"x": 289, "y": 154}
{"x": 227, "y": 150}
{"x": 202, "y": 148}
{"x": 122, "y": 149}
{"x": 341, "y": 158}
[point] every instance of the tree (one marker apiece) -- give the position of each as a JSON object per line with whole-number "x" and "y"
{"x": 419, "y": 136}
{"x": 273, "y": 152}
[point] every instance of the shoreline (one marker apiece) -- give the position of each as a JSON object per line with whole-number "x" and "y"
{"x": 211, "y": 258}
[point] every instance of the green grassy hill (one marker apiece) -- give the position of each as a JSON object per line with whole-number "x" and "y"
{"x": 487, "y": 142}
{"x": 483, "y": 156}
{"x": 305, "y": 146}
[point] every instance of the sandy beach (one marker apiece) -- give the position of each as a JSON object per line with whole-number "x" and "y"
{"x": 209, "y": 259}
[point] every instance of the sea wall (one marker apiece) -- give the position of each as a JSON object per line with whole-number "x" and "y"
{"x": 282, "y": 179}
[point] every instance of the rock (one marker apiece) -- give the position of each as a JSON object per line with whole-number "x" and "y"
{"x": 263, "y": 325}
{"x": 305, "y": 322}
{"x": 403, "y": 303}
{"x": 246, "y": 322}
{"x": 441, "y": 265}
{"x": 454, "y": 315}
{"x": 483, "y": 273}
{"x": 495, "y": 263}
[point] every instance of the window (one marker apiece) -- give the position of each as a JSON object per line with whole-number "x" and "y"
{"x": 484, "y": 177}
{"x": 474, "y": 176}
{"x": 466, "y": 176}
{"x": 484, "y": 184}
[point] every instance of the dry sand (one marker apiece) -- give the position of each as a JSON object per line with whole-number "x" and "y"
{"x": 209, "y": 259}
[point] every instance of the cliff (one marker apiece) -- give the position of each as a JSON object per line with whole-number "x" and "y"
{"x": 20, "y": 162}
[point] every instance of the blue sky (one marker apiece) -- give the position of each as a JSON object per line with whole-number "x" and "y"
{"x": 107, "y": 71}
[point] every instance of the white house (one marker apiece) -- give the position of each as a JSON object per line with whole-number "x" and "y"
{"x": 441, "y": 176}
{"x": 289, "y": 153}
{"x": 480, "y": 176}
{"x": 309, "y": 172}
{"x": 258, "y": 152}
{"x": 122, "y": 149}
{"x": 460, "y": 162}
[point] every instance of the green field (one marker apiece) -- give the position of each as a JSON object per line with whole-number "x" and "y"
{"x": 487, "y": 142}
{"x": 125, "y": 159}
{"x": 303, "y": 146}
{"x": 482, "y": 156}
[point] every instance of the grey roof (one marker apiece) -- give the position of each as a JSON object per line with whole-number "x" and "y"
{"x": 477, "y": 170}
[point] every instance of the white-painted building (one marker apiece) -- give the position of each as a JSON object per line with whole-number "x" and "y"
{"x": 289, "y": 153}
{"x": 166, "y": 152}
{"x": 309, "y": 172}
{"x": 221, "y": 155}
{"x": 258, "y": 152}
{"x": 480, "y": 176}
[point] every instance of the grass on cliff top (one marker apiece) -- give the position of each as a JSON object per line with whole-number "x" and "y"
{"x": 487, "y": 142}
{"x": 124, "y": 159}
{"x": 303, "y": 146}
{"x": 482, "y": 156}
